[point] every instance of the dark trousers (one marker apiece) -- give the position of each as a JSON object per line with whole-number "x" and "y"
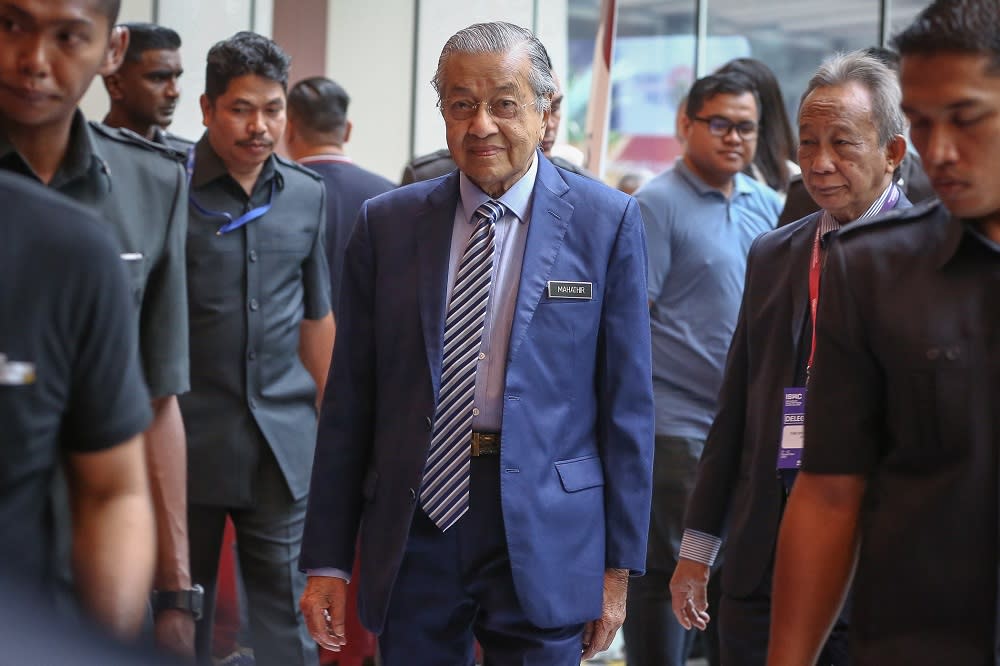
{"x": 457, "y": 585}
{"x": 653, "y": 636}
{"x": 744, "y": 624}
{"x": 268, "y": 540}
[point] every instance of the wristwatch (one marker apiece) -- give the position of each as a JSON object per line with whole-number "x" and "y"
{"x": 191, "y": 600}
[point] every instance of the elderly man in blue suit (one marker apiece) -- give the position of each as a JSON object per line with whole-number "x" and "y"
{"x": 488, "y": 425}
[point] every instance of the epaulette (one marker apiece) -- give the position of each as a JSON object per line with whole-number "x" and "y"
{"x": 423, "y": 160}
{"x": 894, "y": 217}
{"x": 128, "y": 137}
{"x": 298, "y": 167}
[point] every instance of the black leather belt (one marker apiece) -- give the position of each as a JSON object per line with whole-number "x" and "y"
{"x": 485, "y": 444}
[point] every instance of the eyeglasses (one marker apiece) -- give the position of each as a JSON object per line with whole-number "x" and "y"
{"x": 720, "y": 126}
{"x": 464, "y": 109}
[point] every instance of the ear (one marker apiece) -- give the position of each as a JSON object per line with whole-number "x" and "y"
{"x": 117, "y": 45}
{"x": 112, "y": 83}
{"x": 206, "y": 109}
{"x": 348, "y": 126}
{"x": 895, "y": 151}
{"x": 684, "y": 125}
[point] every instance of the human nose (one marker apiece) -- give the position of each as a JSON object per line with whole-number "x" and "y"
{"x": 482, "y": 123}
{"x": 32, "y": 57}
{"x": 939, "y": 147}
{"x": 822, "y": 160}
{"x": 255, "y": 123}
{"x": 173, "y": 89}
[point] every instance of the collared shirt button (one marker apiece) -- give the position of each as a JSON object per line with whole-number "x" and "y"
{"x": 475, "y": 411}
{"x": 482, "y": 356}
{"x": 253, "y": 255}
{"x": 252, "y": 355}
{"x": 254, "y": 305}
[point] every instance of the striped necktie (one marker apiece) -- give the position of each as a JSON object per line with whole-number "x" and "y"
{"x": 444, "y": 492}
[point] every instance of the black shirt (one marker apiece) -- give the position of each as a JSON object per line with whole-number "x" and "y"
{"x": 904, "y": 392}
{"x": 70, "y": 381}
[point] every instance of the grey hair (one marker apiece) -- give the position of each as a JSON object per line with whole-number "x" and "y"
{"x": 500, "y": 37}
{"x": 882, "y": 83}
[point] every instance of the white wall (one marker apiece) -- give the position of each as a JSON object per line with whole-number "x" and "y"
{"x": 369, "y": 52}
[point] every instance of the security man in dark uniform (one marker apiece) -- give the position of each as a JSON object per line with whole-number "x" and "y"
{"x": 71, "y": 397}
{"x": 139, "y": 191}
{"x": 146, "y": 87}
{"x": 898, "y": 494}
{"x": 261, "y": 340}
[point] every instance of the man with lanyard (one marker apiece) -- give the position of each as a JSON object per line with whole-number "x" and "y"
{"x": 144, "y": 90}
{"x": 315, "y": 136}
{"x": 897, "y": 497}
{"x": 851, "y": 140}
{"x": 701, "y": 216}
{"x": 261, "y": 338}
{"x": 139, "y": 191}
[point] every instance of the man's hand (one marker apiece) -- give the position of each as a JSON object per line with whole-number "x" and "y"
{"x": 688, "y": 593}
{"x": 324, "y": 605}
{"x": 598, "y": 634}
{"x": 175, "y": 632}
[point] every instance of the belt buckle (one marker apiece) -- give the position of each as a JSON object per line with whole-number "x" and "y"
{"x": 485, "y": 443}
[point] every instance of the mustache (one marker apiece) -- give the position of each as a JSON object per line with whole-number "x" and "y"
{"x": 260, "y": 140}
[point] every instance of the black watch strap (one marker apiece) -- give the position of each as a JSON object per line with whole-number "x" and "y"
{"x": 191, "y": 600}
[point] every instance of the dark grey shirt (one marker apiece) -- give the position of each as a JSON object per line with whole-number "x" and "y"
{"x": 140, "y": 191}
{"x": 248, "y": 291}
{"x": 904, "y": 392}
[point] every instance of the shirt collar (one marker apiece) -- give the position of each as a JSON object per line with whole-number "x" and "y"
{"x": 741, "y": 183}
{"x": 325, "y": 158}
{"x": 83, "y": 156}
{"x": 828, "y": 223}
{"x": 516, "y": 200}
{"x": 208, "y": 166}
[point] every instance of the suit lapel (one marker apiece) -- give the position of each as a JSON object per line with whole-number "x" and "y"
{"x": 550, "y": 216}
{"x": 434, "y": 230}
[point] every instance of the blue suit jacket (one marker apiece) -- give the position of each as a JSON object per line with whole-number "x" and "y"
{"x": 576, "y": 458}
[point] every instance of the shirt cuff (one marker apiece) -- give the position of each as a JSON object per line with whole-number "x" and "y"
{"x": 700, "y": 547}
{"x": 329, "y": 572}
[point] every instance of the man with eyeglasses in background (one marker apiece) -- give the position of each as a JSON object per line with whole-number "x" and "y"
{"x": 701, "y": 215}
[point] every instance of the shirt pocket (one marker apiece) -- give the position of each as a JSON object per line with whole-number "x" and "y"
{"x": 135, "y": 270}
{"x": 931, "y": 407}
{"x": 297, "y": 241}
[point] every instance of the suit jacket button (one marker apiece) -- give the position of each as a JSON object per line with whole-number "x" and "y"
{"x": 413, "y": 495}
{"x": 430, "y": 424}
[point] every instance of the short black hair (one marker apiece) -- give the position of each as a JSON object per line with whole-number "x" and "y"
{"x": 887, "y": 57}
{"x": 243, "y": 54}
{"x": 318, "y": 107}
{"x": 109, "y": 8}
{"x": 725, "y": 83}
{"x": 144, "y": 37}
{"x": 956, "y": 26}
